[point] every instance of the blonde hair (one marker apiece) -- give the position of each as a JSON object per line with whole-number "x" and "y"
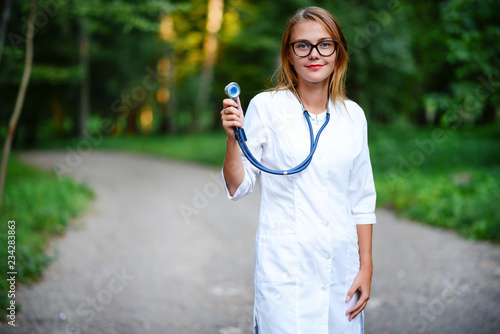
{"x": 287, "y": 77}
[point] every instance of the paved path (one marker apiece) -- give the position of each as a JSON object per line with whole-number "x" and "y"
{"x": 163, "y": 251}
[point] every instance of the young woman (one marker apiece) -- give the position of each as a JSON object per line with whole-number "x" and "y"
{"x": 313, "y": 261}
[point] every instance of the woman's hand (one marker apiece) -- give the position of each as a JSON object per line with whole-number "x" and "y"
{"x": 234, "y": 172}
{"x": 362, "y": 283}
{"x": 231, "y": 116}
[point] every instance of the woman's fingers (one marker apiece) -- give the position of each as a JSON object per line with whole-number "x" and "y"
{"x": 232, "y": 107}
{"x": 361, "y": 285}
{"x": 230, "y": 103}
{"x": 229, "y": 120}
{"x": 231, "y": 116}
{"x": 358, "y": 307}
{"x": 352, "y": 290}
{"x": 232, "y": 111}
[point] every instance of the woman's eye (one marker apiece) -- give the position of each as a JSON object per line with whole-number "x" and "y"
{"x": 326, "y": 45}
{"x": 303, "y": 45}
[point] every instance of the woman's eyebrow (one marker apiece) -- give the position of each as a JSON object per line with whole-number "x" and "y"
{"x": 319, "y": 40}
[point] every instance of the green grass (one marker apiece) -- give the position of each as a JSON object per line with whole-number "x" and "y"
{"x": 207, "y": 148}
{"x": 41, "y": 206}
{"x": 204, "y": 148}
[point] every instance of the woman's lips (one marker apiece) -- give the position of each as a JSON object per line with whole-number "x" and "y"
{"x": 314, "y": 66}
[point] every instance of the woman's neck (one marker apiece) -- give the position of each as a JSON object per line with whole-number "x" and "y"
{"x": 314, "y": 96}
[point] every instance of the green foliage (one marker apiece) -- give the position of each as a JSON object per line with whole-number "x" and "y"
{"x": 130, "y": 16}
{"x": 470, "y": 29}
{"x": 41, "y": 206}
{"x": 56, "y": 74}
{"x": 462, "y": 201}
{"x": 426, "y": 61}
{"x": 453, "y": 182}
{"x": 382, "y": 64}
{"x": 123, "y": 42}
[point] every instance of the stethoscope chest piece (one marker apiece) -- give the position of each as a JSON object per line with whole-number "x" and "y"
{"x": 232, "y": 90}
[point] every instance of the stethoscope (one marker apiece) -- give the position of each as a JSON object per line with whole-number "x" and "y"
{"x": 233, "y": 91}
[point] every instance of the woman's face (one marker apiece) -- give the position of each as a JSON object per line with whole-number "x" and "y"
{"x": 314, "y": 68}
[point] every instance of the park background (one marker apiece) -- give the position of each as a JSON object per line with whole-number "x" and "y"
{"x": 148, "y": 77}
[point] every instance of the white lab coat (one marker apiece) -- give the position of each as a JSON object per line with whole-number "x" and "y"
{"x": 306, "y": 251}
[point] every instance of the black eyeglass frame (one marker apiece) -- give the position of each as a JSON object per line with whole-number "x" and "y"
{"x": 315, "y": 46}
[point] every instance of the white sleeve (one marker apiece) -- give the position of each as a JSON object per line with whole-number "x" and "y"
{"x": 361, "y": 188}
{"x": 256, "y": 132}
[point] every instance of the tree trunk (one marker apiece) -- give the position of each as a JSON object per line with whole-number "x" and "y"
{"x": 171, "y": 112}
{"x": 20, "y": 98}
{"x": 131, "y": 121}
{"x": 83, "y": 117}
{"x": 170, "y": 106}
{"x": 5, "y": 14}
{"x": 168, "y": 122}
{"x": 215, "y": 13}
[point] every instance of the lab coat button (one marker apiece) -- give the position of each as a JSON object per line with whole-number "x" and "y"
{"x": 326, "y": 223}
{"x": 327, "y": 256}
{"x": 325, "y": 287}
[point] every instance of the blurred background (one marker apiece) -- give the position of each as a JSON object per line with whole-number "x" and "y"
{"x": 148, "y": 76}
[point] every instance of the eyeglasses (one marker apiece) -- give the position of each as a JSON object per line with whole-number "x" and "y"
{"x": 325, "y": 48}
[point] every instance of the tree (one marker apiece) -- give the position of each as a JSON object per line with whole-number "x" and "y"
{"x": 166, "y": 70}
{"x": 82, "y": 120}
{"x": 4, "y": 18}
{"x": 215, "y": 11}
{"x": 20, "y": 97}
{"x": 90, "y": 16}
{"x": 88, "y": 53}
{"x": 470, "y": 32}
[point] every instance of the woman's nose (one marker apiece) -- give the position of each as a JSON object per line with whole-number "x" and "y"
{"x": 314, "y": 53}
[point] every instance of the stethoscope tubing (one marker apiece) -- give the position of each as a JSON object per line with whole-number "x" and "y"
{"x": 241, "y": 138}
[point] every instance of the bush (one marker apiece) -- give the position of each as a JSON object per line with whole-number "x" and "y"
{"x": 41, "y": 206}
{"x": 463, "y": 201}
{"x": 456, "y": 186}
